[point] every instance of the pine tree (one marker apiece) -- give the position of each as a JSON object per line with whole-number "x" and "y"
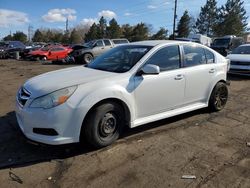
{"x": 140, "y": 32}
{"x": 183, "y": 29}
{"x": 92, "y": 33}
{"x": 75, "y": 38}
{"x": 160, "y": 35}
{"x": 207, "y": 18}
{"x": 38, "y": 36}
{"x": 127, "y": 32}
{"x": 232, "y": 19}
{"x": 113, "y": 30}
{"x": 102, "y": 26}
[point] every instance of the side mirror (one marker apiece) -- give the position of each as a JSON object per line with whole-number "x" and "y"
{"x": 150, "y": 69}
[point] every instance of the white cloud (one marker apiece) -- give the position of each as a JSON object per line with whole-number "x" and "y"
{"x": 107, "y": 14}
{"x": 89, "y": 21}
{"x": 9, "y": 18}
{"x": 151, "y": 7}
{"x": 166, "y": 3}
{"x": 128, "y": 14}
{"x": 59, "y": 15}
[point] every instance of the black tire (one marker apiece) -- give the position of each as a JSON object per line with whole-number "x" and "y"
{"x": 87, "y": 58}
{"x": 218, "y": 98}
{"x": 104, "y": 125}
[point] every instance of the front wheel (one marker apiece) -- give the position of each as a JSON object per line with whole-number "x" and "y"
{"x": 87, "y": 58}
{"x": 104, "y": 125}
{"x": 219, "y": 96}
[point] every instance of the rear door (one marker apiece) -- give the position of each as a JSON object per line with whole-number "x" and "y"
{"x": 107, "y": 44}
{"x": 199, "y": 70}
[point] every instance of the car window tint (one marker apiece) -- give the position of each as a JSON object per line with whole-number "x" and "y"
{"x": 193, "y": 56}
{"x": 99, "y": 43}
{"x": 107, "y": 43}
{"x": 167, "y": 58}
{"x": 210, "y": 56}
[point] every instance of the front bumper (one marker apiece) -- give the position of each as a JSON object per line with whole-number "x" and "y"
{"x": 60, "y": 119}
{"x": 240, "y": 70}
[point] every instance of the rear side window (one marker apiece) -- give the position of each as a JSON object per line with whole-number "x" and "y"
{"x": 107, "y": 43}
{"x": 167, "y": 58}
{"x": 193, "y": 56}
{"x": 210, "y": 56}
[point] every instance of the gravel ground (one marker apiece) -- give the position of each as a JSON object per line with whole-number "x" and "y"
{"x": 210, "y": 146}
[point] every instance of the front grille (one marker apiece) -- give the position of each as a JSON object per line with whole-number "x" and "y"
{"x": 23, "y": 96}
{"x": 240, "y": 63}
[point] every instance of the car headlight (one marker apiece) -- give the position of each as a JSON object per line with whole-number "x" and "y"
{"x": 53, "y": 99}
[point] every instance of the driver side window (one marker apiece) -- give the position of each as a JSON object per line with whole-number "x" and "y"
{"x": 167, "y": 58}
{"x": 99, "y": 43}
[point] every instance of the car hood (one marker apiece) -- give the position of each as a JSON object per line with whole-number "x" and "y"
{"x": 55, "y": 80}
{"x": 239, "y": 57}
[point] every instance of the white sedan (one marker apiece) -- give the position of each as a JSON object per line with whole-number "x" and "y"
{"x": 130, "y": 85}
{"x": 240, "y": 60}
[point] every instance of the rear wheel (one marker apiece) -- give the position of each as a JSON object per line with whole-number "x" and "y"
{"x": 87, "y": 58}
{"x": 219, "y": 96}
{"x": 104, "y": 125}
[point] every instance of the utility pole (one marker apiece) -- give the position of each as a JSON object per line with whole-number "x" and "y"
{"x": 175, "y": 8}
{"x": 67, "y": 25}
{"x": 30, "y": 32}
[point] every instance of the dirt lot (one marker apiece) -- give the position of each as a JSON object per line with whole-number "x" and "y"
{"x": 210, "y": 146}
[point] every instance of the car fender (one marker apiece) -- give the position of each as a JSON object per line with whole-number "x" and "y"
{"x": 92, "y": 98}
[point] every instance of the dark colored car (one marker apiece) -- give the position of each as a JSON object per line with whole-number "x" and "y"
{"x": 9, "y": 48}
{"x": 225, "y": 45}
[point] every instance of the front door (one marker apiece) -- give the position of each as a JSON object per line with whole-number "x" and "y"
{"x": 162, "y": 92}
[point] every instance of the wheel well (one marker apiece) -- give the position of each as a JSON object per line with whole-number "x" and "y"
{"x": 113, "y": 100}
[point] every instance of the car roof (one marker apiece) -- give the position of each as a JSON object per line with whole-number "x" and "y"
{"x": 158, "y": 42}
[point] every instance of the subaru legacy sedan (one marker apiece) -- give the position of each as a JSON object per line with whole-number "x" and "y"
{"x": 130, "y": 85}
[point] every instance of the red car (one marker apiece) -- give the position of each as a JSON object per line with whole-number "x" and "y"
{"x": 50, "y": 53}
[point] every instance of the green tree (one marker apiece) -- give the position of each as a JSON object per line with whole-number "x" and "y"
{"x": 75, "y": 37}
{"x": 102, "y": 27}
{"x": 38, "y": 36}
{"x": 20, "y": 36}
{"x": 183, "y": 29}
{"x": 8, "y": 38}
{"x": 113, "y": 30}
{"x": 232, "y": 19}
{"x": 207, "y": 18}
{"x": 127, "y": 32}
{"x": 92, "y": 33}
{"x": 140, "y": 32}
{"x": 160, "y": 35}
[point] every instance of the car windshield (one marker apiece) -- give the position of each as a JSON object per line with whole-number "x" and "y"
{"x": 90, "y": 44}
{"x": 221, "y": 42}
{"x": 241, "y": 50}
{"x": 120, "y": 59}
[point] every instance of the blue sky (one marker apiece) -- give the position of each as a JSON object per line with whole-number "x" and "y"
{"x": 17, "y": 15}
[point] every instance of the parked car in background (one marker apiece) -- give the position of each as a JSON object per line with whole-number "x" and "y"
{"x": 130, "y": 85}
{"x": 9, "y": 48}
{"x": 205, "y": 40}
{"x": 50, "y": 52}
{"x": 87, "y": 52}
{"x": 119, "y": 41}
{"x": 188, "y": 40}
{"x": 225, "y": 45}
{"x": 240, "y": 60}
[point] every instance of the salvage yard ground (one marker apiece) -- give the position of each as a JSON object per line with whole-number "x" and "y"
{"x": 211, "y": 147}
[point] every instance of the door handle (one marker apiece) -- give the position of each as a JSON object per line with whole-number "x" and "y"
{"x": 179, "y": 77}
{"x": 211, "y": 70}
